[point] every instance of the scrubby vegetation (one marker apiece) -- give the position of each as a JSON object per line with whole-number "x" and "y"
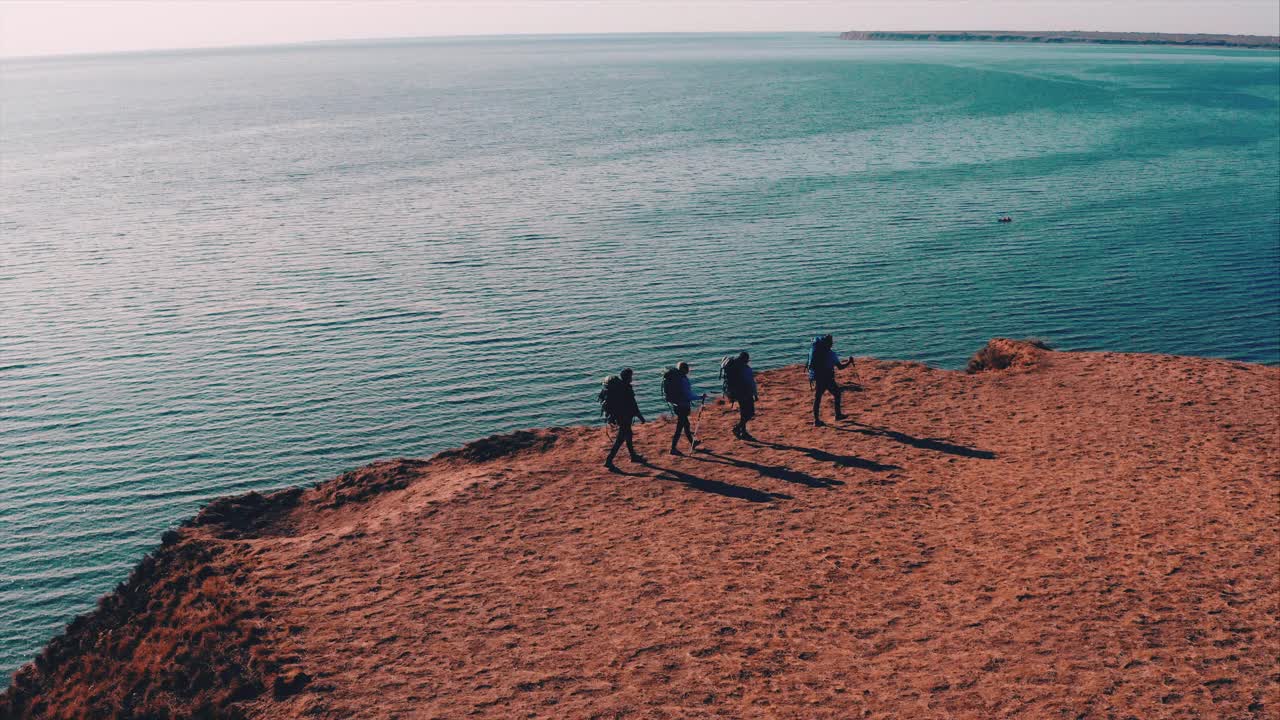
{"x": 175, "y": 635}
{"x": 1003, "y": 353}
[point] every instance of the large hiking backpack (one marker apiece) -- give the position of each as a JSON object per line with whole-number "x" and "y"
{"x": 611, "y": 398}
{"x": 730, "y": 376}
{"x": 819, "y": 357}
{"x": 671, "y": 391}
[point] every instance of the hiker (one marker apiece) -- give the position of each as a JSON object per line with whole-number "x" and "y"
{"x": 678, "y": 392}
{"x": 822, "y": 366}
{"x": 618, "y": 405}
{"x": 739, "y": 384}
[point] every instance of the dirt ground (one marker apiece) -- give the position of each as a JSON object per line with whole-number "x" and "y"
{"x": 1084, "y": 535}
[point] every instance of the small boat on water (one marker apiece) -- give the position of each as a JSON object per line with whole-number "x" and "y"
{"x": 1005, "y": 219}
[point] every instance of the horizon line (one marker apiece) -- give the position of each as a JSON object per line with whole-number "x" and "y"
{"x": 389, "y": 38}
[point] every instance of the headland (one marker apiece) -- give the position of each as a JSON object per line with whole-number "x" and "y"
{"x": 1055, "y": 534}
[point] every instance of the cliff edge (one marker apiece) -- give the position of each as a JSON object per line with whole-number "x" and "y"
{"x": 1048, "y": 535}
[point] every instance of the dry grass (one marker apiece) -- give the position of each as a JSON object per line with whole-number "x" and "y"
{"x": 176, "y": 635}
{"x": 1004, "y": 353}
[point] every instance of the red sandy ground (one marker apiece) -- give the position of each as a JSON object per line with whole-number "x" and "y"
{"x": 1088, "y": 535}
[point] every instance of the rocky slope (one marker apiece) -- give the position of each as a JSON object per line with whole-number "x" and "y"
{"x": 1075, "y": 535}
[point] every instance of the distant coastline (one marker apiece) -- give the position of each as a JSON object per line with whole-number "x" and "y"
{"x": 1071, "y": 36}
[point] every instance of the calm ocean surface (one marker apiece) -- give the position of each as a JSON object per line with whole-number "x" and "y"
{"x": 241, "y": 269}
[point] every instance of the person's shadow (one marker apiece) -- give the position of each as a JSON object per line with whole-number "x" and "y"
{"x": 852, "y": 461}
{"x": 714, "y": 486}
{"x": 771, "y": 471}
{"x": 922, "y": 443}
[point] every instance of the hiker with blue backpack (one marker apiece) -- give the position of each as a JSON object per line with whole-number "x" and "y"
{"x": 739, "y": 384}
{"x": 678, "y": 392}
{"x": 618, "y": 405}
{"x": 822, "y": 366}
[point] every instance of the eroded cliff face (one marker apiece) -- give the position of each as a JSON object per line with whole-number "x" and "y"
{"x": 177, "y": 635}
{"x": 1054, "y": 533}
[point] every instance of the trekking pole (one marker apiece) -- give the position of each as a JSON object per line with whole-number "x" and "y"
{"x": 698, "y": 422}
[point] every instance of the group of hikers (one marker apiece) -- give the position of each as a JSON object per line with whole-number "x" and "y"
{"x": 738, "y": 384}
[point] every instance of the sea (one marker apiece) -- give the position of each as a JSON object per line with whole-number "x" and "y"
{"x": 241, "y": 269}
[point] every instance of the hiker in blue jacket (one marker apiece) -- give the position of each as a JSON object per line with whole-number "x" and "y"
{"x": 822, "y": 365}
{"x": 678, "y": 392}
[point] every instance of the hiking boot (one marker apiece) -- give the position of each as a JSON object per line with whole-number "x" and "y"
{"x": 817, "y": 422}
{"x": 608, "y": 465}
{"x": 841, "y": 416}
{"x": 676, "y": 451}
{"x": 636, "y": 458}
{"x": 747, "y": 436}
{"x": 694, "y": 445}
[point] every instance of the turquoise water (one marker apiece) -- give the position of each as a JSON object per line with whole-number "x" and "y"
{"x": 241, "y": 269}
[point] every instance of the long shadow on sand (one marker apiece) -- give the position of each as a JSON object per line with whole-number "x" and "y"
{"x": 715, "y": 486}
{"x": 771, "y": 471}
{"x": 852, "y": 461}
{"x": 922, "y": 443}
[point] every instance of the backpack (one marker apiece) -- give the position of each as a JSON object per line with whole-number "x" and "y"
{"x": 730, "y": 376}
{"x": 612, "y": 398}
{"x": 819, "y": 358}
{"x": 671, "y": 391}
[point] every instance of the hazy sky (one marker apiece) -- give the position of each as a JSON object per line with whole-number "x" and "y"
{"x": 49, "y": 27}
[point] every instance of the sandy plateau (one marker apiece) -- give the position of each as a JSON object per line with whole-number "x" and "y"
{"x": 1078, "y": 535}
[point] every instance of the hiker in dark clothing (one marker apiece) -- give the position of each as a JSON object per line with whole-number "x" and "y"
{"x": 678, "y": 392}
{"x": 822, "y": 365}
{"x": 740, "y": 386}
{"x": 618, "y": 404}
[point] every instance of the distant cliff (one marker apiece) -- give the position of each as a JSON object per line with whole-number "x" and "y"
{"x": 1071, "y": 36}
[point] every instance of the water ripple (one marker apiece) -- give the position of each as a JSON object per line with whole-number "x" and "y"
{"x": 223, "y": 274}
